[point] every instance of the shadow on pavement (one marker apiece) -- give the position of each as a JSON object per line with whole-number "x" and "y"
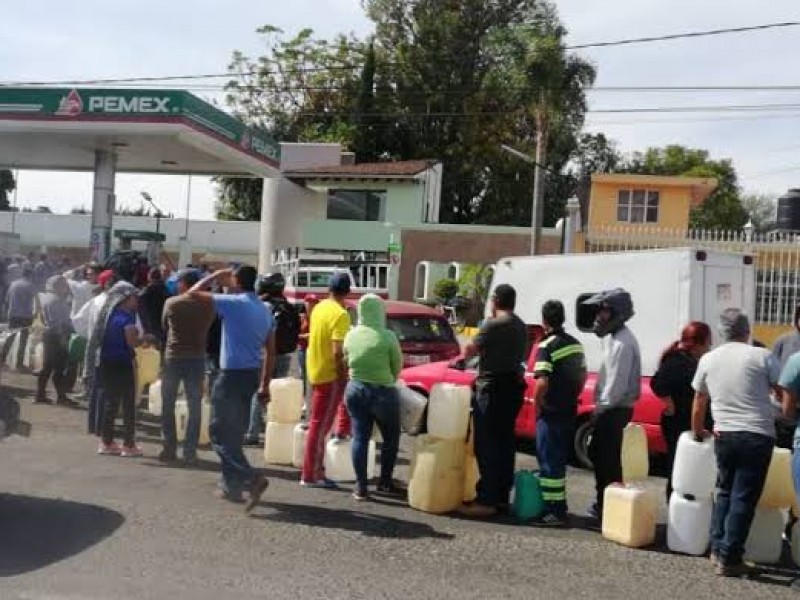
{"x": 36, "y": 532}
{"x": 334, "y": 518}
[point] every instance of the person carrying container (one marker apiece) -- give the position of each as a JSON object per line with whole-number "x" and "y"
{"x": 736, "y": 379}
{"x": 560, "y": 373}
{"x": 501, "y": 344}
{"x": 617, "y": 389}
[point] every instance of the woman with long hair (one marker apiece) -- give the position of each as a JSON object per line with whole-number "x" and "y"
{"x": 673, "y": 384}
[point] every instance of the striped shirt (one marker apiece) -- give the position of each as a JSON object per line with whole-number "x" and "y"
{"x": 560, "y": 358}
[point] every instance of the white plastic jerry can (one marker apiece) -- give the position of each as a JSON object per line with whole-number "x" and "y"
{"x": 689, "y": 524}
{"x": 182, "y": 421}
{"x": 286, "y": 400}
{"x": 695, "y": 468}
{"x": 448, "y": 411}
{"x": 154, "y": 399}
{"x": 299, "y": 445}
{"x": 339, "y": 460}
{"x": 279, "y": 443}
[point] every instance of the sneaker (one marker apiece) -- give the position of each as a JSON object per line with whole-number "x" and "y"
{"x": 714, "y": 560}
{"x": 594, "y": 512}
{"x": 167, "y": 456}
{"x": 390, "y": 489}
{"x": 223, "y": 495}
{"x": 739, "y": 570}
{"x": 112, "y": 449}
{"x": 360, "y": 495}
{"x": 258, "y": 487}
{"x": 551, "y": 520}
{"x": 132, "y": 451}
{"x": 324, "y": 483}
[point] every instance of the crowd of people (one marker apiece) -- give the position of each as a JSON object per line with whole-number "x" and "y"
{"x": 234, "y": 331}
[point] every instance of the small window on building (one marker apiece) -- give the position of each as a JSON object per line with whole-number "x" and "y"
{"x": 356, "y": 205}
{"x": 585, "y": 313}
{"x": 637, "y": 206}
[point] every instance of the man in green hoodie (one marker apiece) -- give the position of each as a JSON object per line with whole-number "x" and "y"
{"x": 374, "y": 359}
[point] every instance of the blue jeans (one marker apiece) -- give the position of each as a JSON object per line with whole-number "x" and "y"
{"x": 553, "y": 447}
{"x": 742, "y": 462}
{"x": 230, "y": 403}
{"x": 283, "y": 363}
{"x": 212, "y": 370}
{"x": 369, "y": 404}
{"x": 191, "y": 372}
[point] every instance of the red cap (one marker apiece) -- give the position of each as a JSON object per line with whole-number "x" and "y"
{"x": 105, "y": 277}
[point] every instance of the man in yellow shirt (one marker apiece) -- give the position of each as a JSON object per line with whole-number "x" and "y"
{"x": 327, "y": 374}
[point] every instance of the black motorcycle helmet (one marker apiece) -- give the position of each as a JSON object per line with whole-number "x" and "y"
{"x": 271, "y": 284}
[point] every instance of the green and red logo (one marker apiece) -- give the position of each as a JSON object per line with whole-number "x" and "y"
{"x": 70, "y": 105}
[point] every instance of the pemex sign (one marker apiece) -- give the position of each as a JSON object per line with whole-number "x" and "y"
{"x": 167, "y": 106}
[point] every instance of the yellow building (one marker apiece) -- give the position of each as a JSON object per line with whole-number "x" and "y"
{"x": 623, "y": 199}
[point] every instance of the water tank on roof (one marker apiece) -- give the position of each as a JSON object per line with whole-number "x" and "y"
{"x": 789, "y": 211}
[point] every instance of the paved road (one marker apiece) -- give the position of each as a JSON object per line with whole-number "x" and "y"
{"x": 77, "y": 526}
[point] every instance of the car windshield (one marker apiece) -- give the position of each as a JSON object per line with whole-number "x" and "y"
{"x": 420, "y": 329}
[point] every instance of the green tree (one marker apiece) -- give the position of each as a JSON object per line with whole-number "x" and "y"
{"x": 302, "y": 89}
{"x": 723, "y": 209}
{"x": 439, "y": 79}
{"x": 761, "y": 210}
{"x": 7, "y": 185}
{"x": 473, "y": 284}
{"x": 445, "y": 290}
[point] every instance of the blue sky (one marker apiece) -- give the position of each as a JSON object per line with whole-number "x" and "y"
{"x": 43, "y": 40}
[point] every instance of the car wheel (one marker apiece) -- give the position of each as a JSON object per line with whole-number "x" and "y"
{"x": 583, "y": 436}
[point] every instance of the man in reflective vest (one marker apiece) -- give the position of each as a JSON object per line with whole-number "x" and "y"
{"x": 560, "y": 373}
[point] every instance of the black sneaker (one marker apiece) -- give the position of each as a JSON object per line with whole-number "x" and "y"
{"x": 551, "y": 520}
{"x": 390, "y": 489}
{"x": 741, "y": 569}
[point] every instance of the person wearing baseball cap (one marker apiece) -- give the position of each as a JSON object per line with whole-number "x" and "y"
{"x": 501, "y": 344}
{"x": 327, "y": 373}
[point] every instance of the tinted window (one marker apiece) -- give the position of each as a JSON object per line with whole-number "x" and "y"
{"x": 585, "y": 314}
{"x": 421, "y": 329}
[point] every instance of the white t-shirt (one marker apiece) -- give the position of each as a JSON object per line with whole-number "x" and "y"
{"x": 82, "y": 292}
{"x": 738, "y": 378}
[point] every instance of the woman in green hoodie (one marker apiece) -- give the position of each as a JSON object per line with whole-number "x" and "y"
{"x": 374, "y": 359}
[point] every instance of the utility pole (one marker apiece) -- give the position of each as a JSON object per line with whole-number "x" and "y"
{"x": 537, "y": 204}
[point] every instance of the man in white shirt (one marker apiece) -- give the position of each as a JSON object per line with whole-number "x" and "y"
{"x": 83, "y": 289}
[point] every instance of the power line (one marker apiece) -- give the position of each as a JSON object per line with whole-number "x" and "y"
{"x": 194, "y": 77}
{"x": 680, "y": 36}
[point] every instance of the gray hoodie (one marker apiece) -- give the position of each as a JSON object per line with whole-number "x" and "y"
{"x": 619, "y": 379}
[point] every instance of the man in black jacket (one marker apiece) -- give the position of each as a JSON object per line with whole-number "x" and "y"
{"x": 151, "y": 305}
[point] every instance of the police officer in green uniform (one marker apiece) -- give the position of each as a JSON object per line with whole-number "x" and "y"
{"x": 560, "y": 373}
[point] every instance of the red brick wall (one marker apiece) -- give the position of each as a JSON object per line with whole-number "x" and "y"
{"x": 466, "y": 247}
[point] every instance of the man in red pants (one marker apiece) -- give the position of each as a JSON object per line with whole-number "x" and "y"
{"x": 327, "y": 374}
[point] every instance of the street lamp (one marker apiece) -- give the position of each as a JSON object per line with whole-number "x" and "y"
{"x": 149, "y": 199}
{"x": 536, "y": 204}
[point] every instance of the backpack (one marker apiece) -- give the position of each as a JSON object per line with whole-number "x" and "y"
{"x": 287, "y": 329}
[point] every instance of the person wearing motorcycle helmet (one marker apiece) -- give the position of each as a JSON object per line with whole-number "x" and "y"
{"x": 617, "y": 389}
{"x": 287, "y": 332}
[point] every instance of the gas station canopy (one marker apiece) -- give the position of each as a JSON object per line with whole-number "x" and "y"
{"x": 112, "y": 130}
{"x": 149, "y": 131}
